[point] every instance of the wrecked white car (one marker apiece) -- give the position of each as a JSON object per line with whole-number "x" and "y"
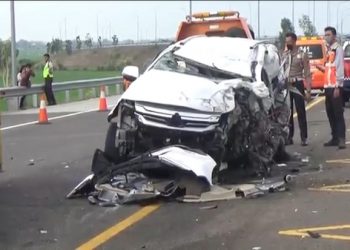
{"x": 204, "y": 104}
{"x": 222, "y": 96}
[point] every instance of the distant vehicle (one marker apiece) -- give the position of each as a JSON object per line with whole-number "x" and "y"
{"x": 316, "y": 49}
{"x": 222, "y": 23}
{"x": 346, "y": 48}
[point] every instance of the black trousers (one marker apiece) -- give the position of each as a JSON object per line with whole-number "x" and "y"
{"x": 300, "y": 108}
{"x": 335, "y": 113}
{"x": 21, "y": 102}
{"x": 48, "y": 91}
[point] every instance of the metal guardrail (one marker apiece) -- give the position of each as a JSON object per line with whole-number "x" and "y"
{"x": 60, "y": 86}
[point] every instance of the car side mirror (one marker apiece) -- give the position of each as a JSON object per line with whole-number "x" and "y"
{"x": 131, "y": 71}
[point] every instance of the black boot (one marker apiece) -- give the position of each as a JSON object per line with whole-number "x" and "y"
{"x": 331, "y": 143}
{"x": 341, "y": 144}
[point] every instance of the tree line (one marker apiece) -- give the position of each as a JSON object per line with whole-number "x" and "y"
{"x": 305, "y": 24}
{"x": 57, "y": 45}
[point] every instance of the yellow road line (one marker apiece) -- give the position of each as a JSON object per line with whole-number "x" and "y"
{"x": 117, "y": 228}
{"x": 303, "y": 232}
{"x": 333, "y": 188}
{"x": 337, "y": 160}
{"x": 345, "y": 161}
{"x": 311, "y": 104}
{"x": 330, "y": 190}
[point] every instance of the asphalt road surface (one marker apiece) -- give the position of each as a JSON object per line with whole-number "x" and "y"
{"x": 35, "y": 214}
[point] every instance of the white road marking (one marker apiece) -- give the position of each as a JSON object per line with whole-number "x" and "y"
{"x": 50, "y": 119}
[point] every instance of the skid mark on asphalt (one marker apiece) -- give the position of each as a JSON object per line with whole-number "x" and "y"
{"x": 119, "y": 227}
{"x": 304, "y": 232}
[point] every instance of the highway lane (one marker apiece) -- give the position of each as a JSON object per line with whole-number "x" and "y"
{"x": 32, "y": 198}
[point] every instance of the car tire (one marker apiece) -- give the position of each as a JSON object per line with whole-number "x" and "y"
{"x": 110, "y": 149}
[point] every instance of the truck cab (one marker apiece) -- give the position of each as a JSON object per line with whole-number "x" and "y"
{"x": 222, "y": 23}
{"x": 315, "y": 47}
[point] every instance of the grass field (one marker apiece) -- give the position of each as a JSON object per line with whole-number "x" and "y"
{"x": 68, "y": 75}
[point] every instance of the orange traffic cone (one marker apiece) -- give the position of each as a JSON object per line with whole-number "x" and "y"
{"x": 42, "y": 112}
{"x": 103, "y": 101}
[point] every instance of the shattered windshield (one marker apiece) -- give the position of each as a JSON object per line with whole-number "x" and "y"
{"x": 173, "y": 63}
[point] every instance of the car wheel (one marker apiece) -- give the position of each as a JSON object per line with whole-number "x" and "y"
{"x": 111, "y": 150}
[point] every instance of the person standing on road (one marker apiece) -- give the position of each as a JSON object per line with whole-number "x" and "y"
{"x": 333, "y": 86}
{"x": 48, "y": 77}
{"x": 297, "y": 63}
{"x": 27, "y": 72}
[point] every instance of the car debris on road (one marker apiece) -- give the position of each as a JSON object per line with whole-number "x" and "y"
{"x": 158, "y": 174}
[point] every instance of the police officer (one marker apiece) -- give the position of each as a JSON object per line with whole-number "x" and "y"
{"x": 130, "y": 73}
{"x": 297, "y": 70}
{"x": 333, "y": 85}
{"x": 48, "y": 77}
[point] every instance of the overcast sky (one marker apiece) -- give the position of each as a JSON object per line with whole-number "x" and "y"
{"x": 43, "y": 20}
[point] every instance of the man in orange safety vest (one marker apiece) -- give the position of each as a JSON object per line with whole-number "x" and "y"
{"x": 333, "y": 85}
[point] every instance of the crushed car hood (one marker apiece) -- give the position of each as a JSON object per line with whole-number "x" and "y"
{"x": 176, "y": 89}
{"x": 222, "y": 55}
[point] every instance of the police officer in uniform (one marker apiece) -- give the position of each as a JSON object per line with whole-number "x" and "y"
{"x": 48, "y": 77}
{"x": 298, "y": 70}
{"x": 333, "y": 85}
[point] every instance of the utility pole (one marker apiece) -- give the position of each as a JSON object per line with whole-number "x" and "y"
{"x": 65, "y": 28}
{"x": 191, "y": 8}
{"x": 327, "y": 13}
{"x": 155, "y": 27}
{"x": 137, "y": 20}
{"x": 250, "y": 13}
{"x": 313, "y": 13}
{"x": 293, "y": 14}
{"x": 96, "y": 26}
{"x": 13, "y": 44}
{"x": 259, "y": 19}
{"x": 110, "y": 30}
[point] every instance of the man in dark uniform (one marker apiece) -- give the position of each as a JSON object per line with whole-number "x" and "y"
{"x": 297, "y": 70}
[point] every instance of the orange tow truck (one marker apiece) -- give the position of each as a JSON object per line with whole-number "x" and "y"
{"x": 222, "y": 23}
{"x": 316, "y": 49}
